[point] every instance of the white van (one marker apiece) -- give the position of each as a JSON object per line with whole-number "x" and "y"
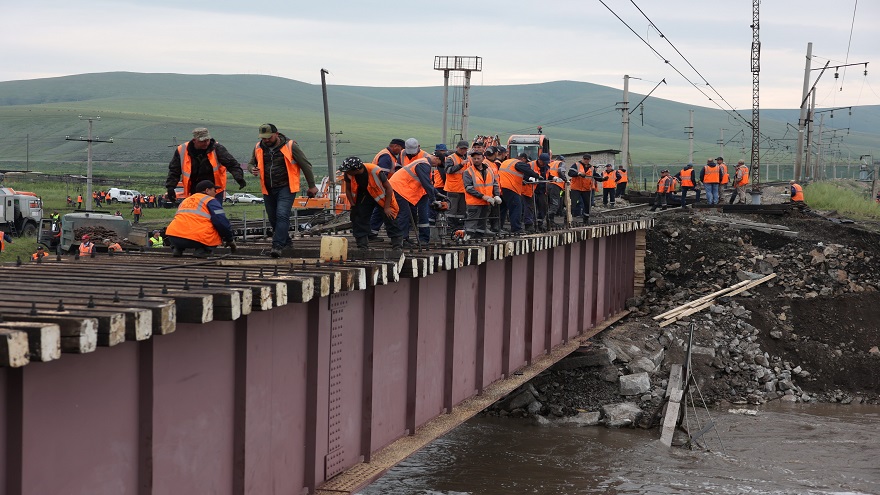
{"x": 121, "y": 195}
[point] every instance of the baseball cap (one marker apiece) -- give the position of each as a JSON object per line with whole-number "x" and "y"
{"x": 475, "y": 152}
{"x": 560, "y": 158}
{"x": 463, "y": 144}
{"x": 609, "y": 165}
{"x": 86, "y": 237}
{"x": 502, "y": 149}
{"x": 664, "y": 171}
{"x": 720, "y": 158}
{"x": 587, "y": 156}
{"x": 412, "y": 146}
{"x": 441, "y": 147}
{"x": 203, "y": 185}
{"x": 523, "y": 155}
{"x": 266, "y": 130}
{"x": 544, "y": 157}
{"x": 201, "y": 134}
{"x": 490, "y": 150}
{"x": 398, "y": 142}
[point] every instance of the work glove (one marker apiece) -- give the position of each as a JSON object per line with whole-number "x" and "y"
{"x": 172, "y": 196}
{"x": 532, "y": 179}
{"x": 231, "y": 245}
{"x": 557, "y": 179}
{"x": 497, "y": 200}
{"x": 241, "y": 183}
{"x": 488, "y": 199}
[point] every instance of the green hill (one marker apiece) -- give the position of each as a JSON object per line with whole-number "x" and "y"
{"x": 146, "y": 113}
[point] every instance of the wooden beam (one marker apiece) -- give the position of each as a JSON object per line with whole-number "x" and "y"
{"x": 44, "y": 339}
{"x": 14, "y": 351}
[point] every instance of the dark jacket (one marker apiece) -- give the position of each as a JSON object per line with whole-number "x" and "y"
{"x": 219, "y": 220}
{"x": 201, "y": 166}
{"x": 276, "y": 176}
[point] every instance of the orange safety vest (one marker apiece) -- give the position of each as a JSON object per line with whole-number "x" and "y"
{"x": 687, "y": 177}
{"x": 725, "y": 178}
{"x": 582, "y": 183}
{"x": 798, "y": 192}
{"x": 744, "y": 180}
{"x": 2, "y": 243}
{"x": 665, "y": 185}
{"x": 437, "y": 179}
{"x": 712, "y": 175}
{"x": 528, "y": 190}
{"x": 509, "y": 177}
{"x": 79, "y": 199}
{"x": 136, "y": 210}
{"x": 86, "y": 248}
{"x": 623, "y": 178}
{"x": 454, "y": 183}
{"x": 395, "y": 160}
{"x": 37, "y": 255}
{"x": 554, "y": 173}
{"x": 114, "y": 247}
{"x": 406, "y": 160}
{"x": 374, "y": 187}
{"x": 483, "y": 186}
{"x": 610, "y": 181}
{"x": 193, "y": 221}
{"x": 406, "y": 182}
{"x": 292, "y": 167}
{"x": 186, "y": 168}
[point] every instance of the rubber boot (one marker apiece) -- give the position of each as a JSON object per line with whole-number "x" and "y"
{"x": 397, "y": 243}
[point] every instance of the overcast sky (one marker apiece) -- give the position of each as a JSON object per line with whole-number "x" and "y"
{"x": 393, "y": 43}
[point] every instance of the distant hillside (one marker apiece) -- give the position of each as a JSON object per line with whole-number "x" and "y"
{"x": 145, "y": 113}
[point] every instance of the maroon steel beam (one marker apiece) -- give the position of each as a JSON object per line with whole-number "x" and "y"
{"x": 480, "y": 351}
{"x": 530, "y": 308}
{"x": 507, "y": 311}
{"x": 431, "y": 348}
{"x": 494, "y": 327}
{"x": 13, "y": 383}
{"x": 449, "y": 331}
{"x": 146, "y": 387}
{"x": 367, "y": 364}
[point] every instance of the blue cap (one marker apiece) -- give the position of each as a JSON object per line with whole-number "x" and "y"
{"x": 544, "y": 157}
{"x": 441, "y": 147}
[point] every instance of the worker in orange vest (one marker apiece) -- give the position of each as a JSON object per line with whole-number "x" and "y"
{"x": 200, "y": 223}
{"x": 39, "y": 254}
{"x": 413, "y": 189}
{"x": 79, "y": 200}
{"x": 558, "y": 176}
{"x": 456, "y": 163}
{"x": 710, "y": 176}
{"x": 4, "y": 238}
{"x": 112, "y": 246}
{"x": 200, "y": 159}
{"x": 136, "y": 211}
{"x": 583, "y": 178}
{"x": 514, "y": 175}
{"x": 797, "y": 192}
{"x": 686, "y": 178}
{"x": 481, "y": 193}
{"x": 367, "y": 187}
{"x": 388, "y": 159}
{"x": 665, "y": 187}
{"x": 622, "y": 181}
{"x": 86, "y": 247}
{"x": 740, "y": 181}
{"x": 725, "y": 177}
{"x": 609, "y": 185}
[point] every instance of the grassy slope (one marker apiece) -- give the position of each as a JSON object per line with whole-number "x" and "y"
{"x": 144, "y": 112}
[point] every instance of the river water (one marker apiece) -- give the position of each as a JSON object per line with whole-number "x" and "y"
{"x": 784, "y": 449}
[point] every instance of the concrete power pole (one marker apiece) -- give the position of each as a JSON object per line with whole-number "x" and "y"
{"x": 809, "y": 136}
{"x": 331, "y": 165}
{"x": 90, "y": 140}
{"x": 819, "y": 174}
{"x": 624, "y": 141}
{"x": 799, "y": 151}
{"x": 690, "y": 132}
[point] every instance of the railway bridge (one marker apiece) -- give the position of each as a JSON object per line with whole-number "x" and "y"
{"x": 137, "y": 373}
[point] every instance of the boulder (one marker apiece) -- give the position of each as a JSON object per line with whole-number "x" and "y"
{"x": 599, "y": 356}
{"x": 517, "y": 400}
{"x": 641, "y": 364}
{"x": 635, "y": 384}
{"x": 581, "y": 419}
{"x": 623, "y": 414}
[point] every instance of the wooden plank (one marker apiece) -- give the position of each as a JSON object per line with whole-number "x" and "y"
{"x": 14, "y": 351}
{"x": 111, "y": 324}
{"x": 670, "y": 420}
{"x": 44, "y": 339}
{"x": 78, "y": 335}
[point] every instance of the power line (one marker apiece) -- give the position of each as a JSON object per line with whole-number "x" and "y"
{"x": 849, "y": 43}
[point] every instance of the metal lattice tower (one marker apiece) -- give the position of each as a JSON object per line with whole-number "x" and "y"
{"x": 460, "y": 67}
{"x": 756, "y": 107}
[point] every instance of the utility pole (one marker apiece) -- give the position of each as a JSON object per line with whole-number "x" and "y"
{"x": 331, "y": 166}
{"x": 721, "y": 141}
{"x": 809, "y": 132}
{"x": 90, "y": 140}
{"x": 624, "y": 141}
{"x": 28, "y": 153}
{"x": 689, "y": 130}
{"x": 756, "y": 107}
{"x": 819, "y": 174}
{"x": 331, "y": 147}
{"x": 802, "y": 121}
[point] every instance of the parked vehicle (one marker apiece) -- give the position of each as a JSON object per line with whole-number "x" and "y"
{"x": 243, "y": 198}
{"x": 121, "y": 195}
{"x": 20, "y": 212}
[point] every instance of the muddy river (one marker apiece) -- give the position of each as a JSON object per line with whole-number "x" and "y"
{"x": 784, "y": 449}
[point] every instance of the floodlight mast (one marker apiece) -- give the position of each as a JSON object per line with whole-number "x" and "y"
{"x": 466, "y": 65}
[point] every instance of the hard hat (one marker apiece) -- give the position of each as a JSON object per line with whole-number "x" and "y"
{"x": 351, "y": 164}
{"x": 86, "y": 237}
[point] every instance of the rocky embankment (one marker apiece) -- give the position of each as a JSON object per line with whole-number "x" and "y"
{"x": 810, "y": 334}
